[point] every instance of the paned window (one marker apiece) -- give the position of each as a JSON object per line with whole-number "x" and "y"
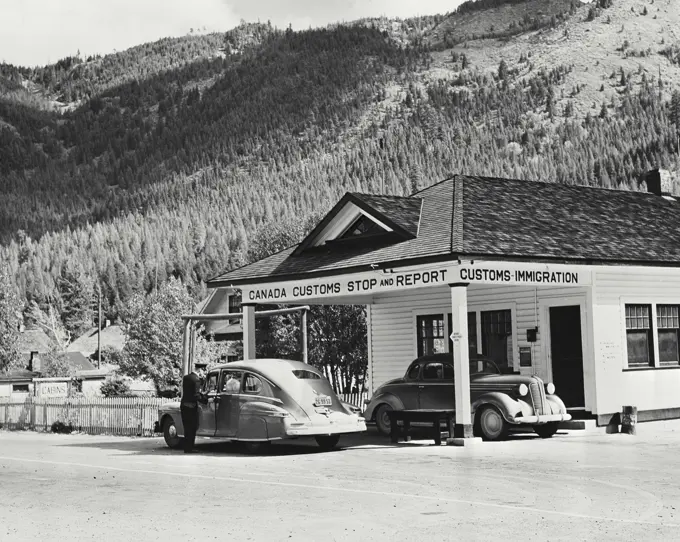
{"x": 668, "y": 331}
{"x": 497, "y": 336}
{"x": 431, "y": 338}
{"x": 639, "y": 336}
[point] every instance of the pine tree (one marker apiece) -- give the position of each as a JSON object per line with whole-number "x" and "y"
{"x": 10, "y": 320}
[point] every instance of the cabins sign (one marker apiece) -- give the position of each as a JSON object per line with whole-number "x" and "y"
{"x": 392, "y": 280}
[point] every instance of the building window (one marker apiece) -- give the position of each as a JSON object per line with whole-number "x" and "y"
{"x": 639, "y": 336}
{"x": 472, "y": 332}
{"x": 19, "y": 388}
{"x": 431, "y": 334}
{"x": 497, "y": 336}
{"x": 668, "y": 331}
{"x": 234, "y": 304}
{"x": 362, "y": 226}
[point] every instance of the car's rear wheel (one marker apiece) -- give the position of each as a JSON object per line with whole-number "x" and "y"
{"x": 172, "y": 439}
{"x": 490, "y": 424}
{"x": 546, "y": 430}
{"x": 258, "y": 447}
{"x": 382, "y": 419}
{"x": 327, "y": 442}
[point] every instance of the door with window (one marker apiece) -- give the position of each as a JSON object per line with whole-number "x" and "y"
{"x": 207, "y": 406}
{"x": 251, "y": 425}
{"x": 228, "y": 404}
{"x": 497, "y": 337}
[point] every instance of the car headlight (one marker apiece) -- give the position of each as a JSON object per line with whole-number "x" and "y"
{"x": 550, "y": 388}
{"x": 523, "y": 390}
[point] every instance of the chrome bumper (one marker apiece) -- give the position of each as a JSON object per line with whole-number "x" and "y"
{"x": 545, "y": 418}
{"x": 330, "y": 429}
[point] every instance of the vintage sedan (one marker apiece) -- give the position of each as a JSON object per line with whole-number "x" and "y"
{"x": 499, "y": 401}
{"x": 262, "y": 400}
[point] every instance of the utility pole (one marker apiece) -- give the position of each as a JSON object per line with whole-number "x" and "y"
{"x": 99, "y": 327}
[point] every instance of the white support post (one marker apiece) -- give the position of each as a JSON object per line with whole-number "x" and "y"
{"x": 248, "y": 332}
{"x": 303, "y": 326}
{"x": 186, "y": 343}
{"x": 461, "y": 361}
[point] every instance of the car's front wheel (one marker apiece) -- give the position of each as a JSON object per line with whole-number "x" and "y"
{"x": 382, "y": 419}
{"x": 490, "y": 424}
{"x": 327, "y": 442}
{"x": 172, "y": 439}
{"x": 546, "y": 430}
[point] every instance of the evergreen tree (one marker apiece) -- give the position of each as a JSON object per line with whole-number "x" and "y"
{"x": 10, "y": 320}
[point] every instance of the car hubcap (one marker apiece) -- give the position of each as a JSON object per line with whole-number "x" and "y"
{"x": 172, "y": 431}
{"x": 492, "y": 422}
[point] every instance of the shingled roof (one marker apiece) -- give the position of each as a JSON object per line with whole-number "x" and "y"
{"x": 469, "y": 216}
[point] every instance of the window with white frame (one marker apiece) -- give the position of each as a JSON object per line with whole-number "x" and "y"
{"x": 431, "y": 337}
{"x": 639, "y": 339}
{"x": 668, "y": 332}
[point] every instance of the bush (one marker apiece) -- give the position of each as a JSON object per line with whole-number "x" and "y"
{"x": 60, "y": 427}
{"x": 115, "y": 387}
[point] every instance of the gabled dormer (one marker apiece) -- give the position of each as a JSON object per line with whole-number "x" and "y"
{"x": 365, "y": 219}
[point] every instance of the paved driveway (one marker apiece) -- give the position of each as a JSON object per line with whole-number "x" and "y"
{"x": 571, "y": 487}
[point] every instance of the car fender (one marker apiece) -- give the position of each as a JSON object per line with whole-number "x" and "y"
{"x": 261, "y": 420}
{"x": 507, "y": 406}
{"x": 383, "y": 398}
{"x": 177, "y": 419}
{"x": 556, "y": 404}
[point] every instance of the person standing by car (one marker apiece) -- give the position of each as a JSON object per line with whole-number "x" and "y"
{"x": 191, "y": 386}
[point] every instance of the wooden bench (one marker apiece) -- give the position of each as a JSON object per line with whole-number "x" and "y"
{"x": 431, "y": 416}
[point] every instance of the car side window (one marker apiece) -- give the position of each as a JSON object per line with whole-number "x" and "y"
{"x": 413, "y": 371}
{"x": 448, "y": 371}
{"x": 253, "y": 385}
{"x": 433, "y": 371}
{"x": 231, "y": 382}
{"x": 210, "y": 383}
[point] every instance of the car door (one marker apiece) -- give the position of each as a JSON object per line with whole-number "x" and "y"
{"x": 407, "y": 390}
{"x": 228, "y": 393}
{"x": 436, "y": 386}
{"x": 206, "y": 406}
{"x": 252, "y": 424}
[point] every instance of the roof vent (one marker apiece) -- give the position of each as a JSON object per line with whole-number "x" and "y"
{"x": 660, "y": 182}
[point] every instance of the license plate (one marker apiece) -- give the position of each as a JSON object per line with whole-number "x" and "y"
{"x": 323, "y": 400}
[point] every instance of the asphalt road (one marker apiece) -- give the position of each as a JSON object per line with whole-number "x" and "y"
{"x": 571, "y": 487}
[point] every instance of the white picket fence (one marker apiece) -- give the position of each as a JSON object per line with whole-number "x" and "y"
{"x": 130, "y": 416}
{"x": 95, "y": 415}
{"x": 356, "y": 398}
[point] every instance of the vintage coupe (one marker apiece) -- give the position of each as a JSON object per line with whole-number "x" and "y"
{"x": 499, "y": 401}
{"x": 262, "y": 400}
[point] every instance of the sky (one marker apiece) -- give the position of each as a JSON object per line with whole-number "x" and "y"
{"x": 39, "y": 32}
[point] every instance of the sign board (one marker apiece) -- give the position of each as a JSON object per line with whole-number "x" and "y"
{"x": 52, "y": 389}
{"x": 455, "y": 336}
{"x": 425, "y": 276}
{"x": 525, "y": 356}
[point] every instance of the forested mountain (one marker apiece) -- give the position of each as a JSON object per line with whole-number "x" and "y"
{"x": 164, "y": 160}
